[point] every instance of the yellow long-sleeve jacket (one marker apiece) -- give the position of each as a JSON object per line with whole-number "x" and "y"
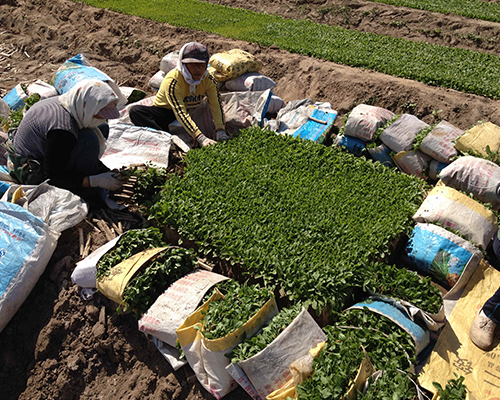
{"x": 174, "y": 95}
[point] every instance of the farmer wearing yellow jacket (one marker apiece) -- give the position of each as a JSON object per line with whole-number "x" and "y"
{"x": 184, "y": 88}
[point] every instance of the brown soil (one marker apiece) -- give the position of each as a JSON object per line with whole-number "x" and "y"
{"x": 59, "y": 346}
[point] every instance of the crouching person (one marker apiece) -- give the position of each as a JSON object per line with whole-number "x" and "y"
{"x": 184, "y": 88}
{"x": 62, "y": 139}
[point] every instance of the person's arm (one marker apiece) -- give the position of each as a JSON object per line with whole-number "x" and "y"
{"x": 175, "y": 98}
{"x": 214, "y": 101}
{"x": 59, "y": 146}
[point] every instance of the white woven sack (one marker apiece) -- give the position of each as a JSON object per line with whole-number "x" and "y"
{"x": 452, "y": 209}
{"x": 176, "y": 303}
{"x": 412, "y": 162}
{"x": 364, "y": 121}
{"x": 169, "y": 62}
{"x": 474, "y": 175}
{"x": 267, "y": 370}
{"x": 400, "y": 135}
{"x": 250, "y": 81}
{"x": 440, "y": 142}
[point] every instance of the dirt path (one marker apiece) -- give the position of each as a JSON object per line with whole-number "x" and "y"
{"x": 59, "y": 346}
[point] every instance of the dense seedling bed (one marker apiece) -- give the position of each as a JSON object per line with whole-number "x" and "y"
{"x": 479, "y": 9}
{"x": 310, "y": 218}
{"x": 454, "y": 68}
{"x": 338, "y": 363}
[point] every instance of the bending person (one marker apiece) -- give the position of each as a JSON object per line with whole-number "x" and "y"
{"x": 60, "y": 133}
{"x": 184, "y": 88}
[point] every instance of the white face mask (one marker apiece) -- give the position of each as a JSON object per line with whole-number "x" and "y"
{"x": 95, "y": 122}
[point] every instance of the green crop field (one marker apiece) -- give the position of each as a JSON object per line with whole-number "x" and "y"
{"x": 454, "y": 68}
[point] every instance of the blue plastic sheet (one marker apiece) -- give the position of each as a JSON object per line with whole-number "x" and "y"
{"x": 317, "y": 131}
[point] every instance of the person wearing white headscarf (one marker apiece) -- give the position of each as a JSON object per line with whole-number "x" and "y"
{"x": 61, "y": 133}
{"x": 182, "y": 89}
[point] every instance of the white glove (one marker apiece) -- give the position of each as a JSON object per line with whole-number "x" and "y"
{"x": 222, "y": 136}
{"x": 204, "y": 141}
{"x": 106, "y": 181}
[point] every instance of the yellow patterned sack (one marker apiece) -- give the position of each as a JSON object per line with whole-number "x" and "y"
{"x": 454, "y": 352}
{"x": 232, "y": 64}
{"x": 478, "y": 138}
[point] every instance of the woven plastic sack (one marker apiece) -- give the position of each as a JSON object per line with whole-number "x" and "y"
{"x": 399, "y": 136}
{"x": 441, "y": 253}
{"x": 169, "y": 62}
{"x": 364, "y": 121}
{"x": 478, "y": 138}
{"x": 412, "y": 162}
{"x": 26, "y": 246}
{"x": 440, "y": 142}
{"x": 232, "y": 64}
{"x": 250, "y": 81}
{"x": 268, "y": 370}
{"x": 207, "y": 357}
{"x": 457, "y": 211}
{"x": 474, "y": 175}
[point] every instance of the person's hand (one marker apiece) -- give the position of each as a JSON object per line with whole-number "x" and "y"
{"x": 106, "y": 180}
{"x": 222, "y": 136}
{"x": 204, "y": 141}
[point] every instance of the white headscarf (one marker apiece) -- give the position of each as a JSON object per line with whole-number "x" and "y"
{"x": 86, "y": 99}
{"x": 186, "y": 74}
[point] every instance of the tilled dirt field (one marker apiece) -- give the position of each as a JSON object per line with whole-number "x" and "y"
{"x": 59, "y": 346}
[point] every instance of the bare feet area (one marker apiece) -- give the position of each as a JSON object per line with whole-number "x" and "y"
{"x": 59, "y": 346}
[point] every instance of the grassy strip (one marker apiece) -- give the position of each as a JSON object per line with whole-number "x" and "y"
{"x": 477, "y": 9}
{"x": 293, "y": 212}
{"x": 453, "y": 68}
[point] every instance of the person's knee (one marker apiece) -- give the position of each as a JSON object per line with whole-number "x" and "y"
{"x": 496, "y": 246}
{"x": 134, "y": 115}
{"x": 104, "y": 128}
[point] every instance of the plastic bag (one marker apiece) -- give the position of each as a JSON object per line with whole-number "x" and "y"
{"x": 77, "y": 69}
{"x": 454, "y": 352}
{"x": 317, "y": 127}
{"x": 178, "y": 301}
{"x": 42, "y": 88}
{"x": 169, "y": 62}
{"x": 156, "y": 80}
{"x": 243, "y": 109}
{"x": 479, "y": 138}
{"x": 412, "y": 162}
{"x": 351, "y": 144}
{"x": 26, "y": 246}
{"x": 58, "y": 208}
{"x": 132, "y": 145}
{"x": 15, "y": 98}
{"x": 382, "y": 154}
{"x": 442, "y": 254}
{"x": 399, "y": 316}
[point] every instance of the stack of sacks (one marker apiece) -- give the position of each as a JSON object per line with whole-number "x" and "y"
{"x": 393, "y": 140}
{"x": 238, "y": 71}
{"x": 361, "y": 127}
